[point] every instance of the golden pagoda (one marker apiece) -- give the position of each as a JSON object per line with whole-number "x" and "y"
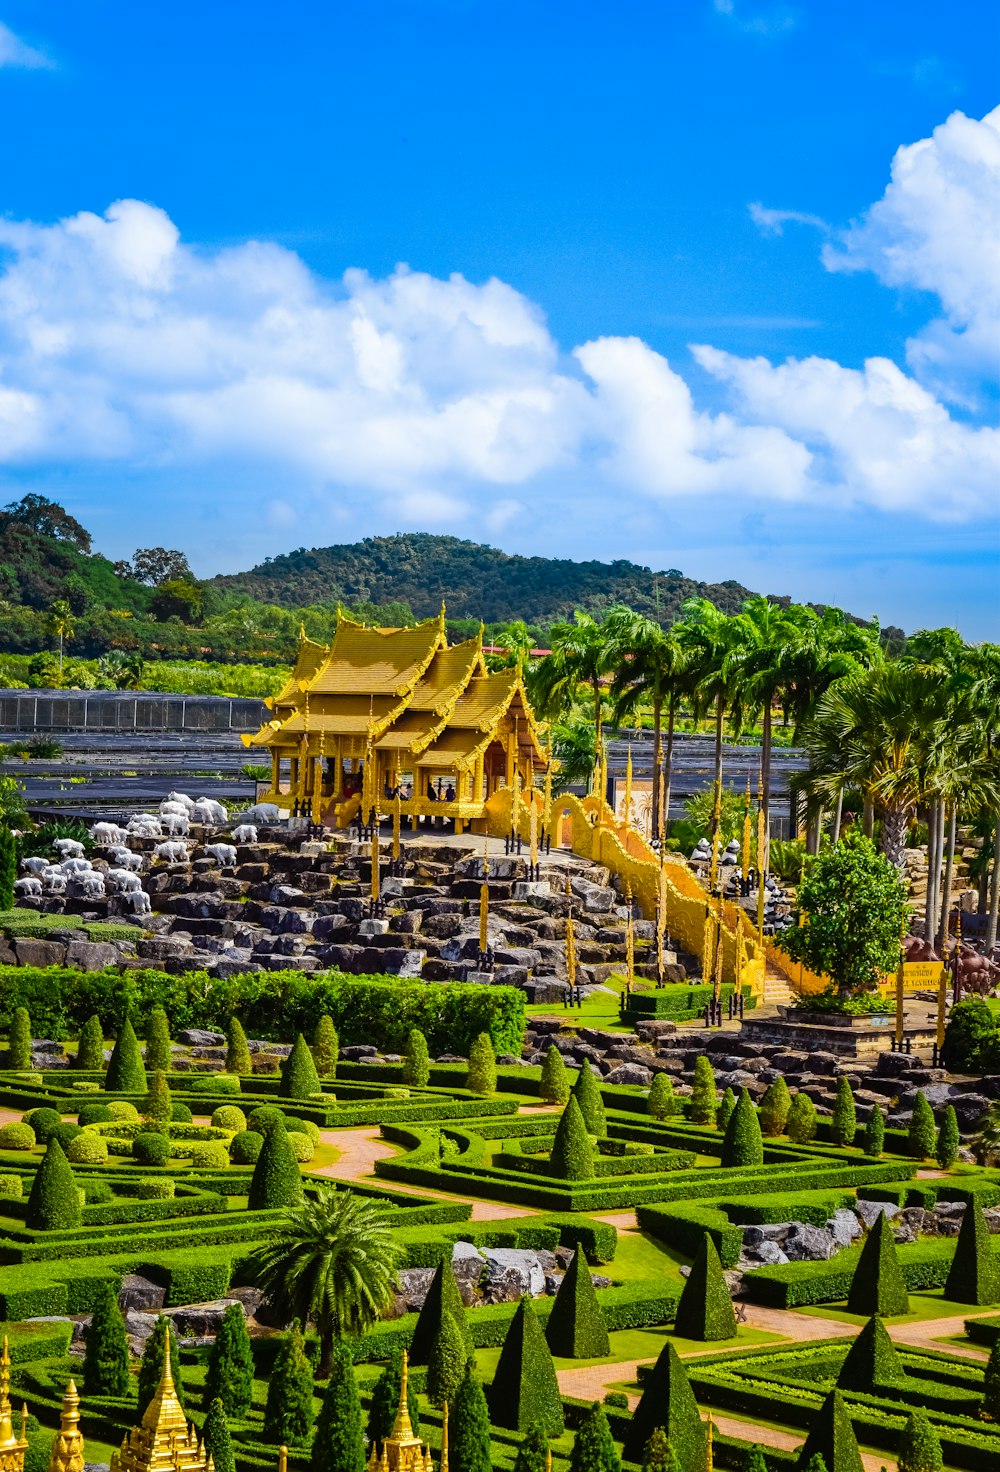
{"x": 165, "y": 1441}
{"x": 402, "y": 1451}
{"x": 12, "y": 1448}
{"x": 381, "y": 710}
{"x": 67, "y": 1448}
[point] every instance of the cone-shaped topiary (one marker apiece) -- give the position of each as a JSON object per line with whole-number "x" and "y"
{"x": 594, "y": 1449}
{"x": 105, "y": 1360}
{"x": 288, "y": 1411}
{"x": 874, "y": 1137}
{"x": 661, "y": 1096}
{"x": 385, "y": 1401}
{"x": 667, "y": 1401}
{"x": 774, "y": 1107}
{"x": 157, "y": 1104}
{"x": 469, "y": 1425}
{"x": 54, "y": 1203}
{"x": 299, "y": 1079}
{"x": 587, "y": 1093}
{"x": 237, "y": 1051}
{"x": 533, "y": 1453}
{"x": 126, "y": 1070}
{"x": 90, "y": 1049}
{"x": 217, "y": 1441}
{"x": 991, "y": 1384}
{"x": 704, "y": 1099}
{"x": 230, "y": 1365}
{"x": 8, "y": 868}
{"x": 832, "y": 1437}
{"x": 524, "y": 1388}
{"x": 877, "y": 1286}
{"x": 948, "y": 1139}
{"x": 482, "y": 1075}
{"x": 757, "y": 1462}
{"x": 919, "y": 1449}
{"x": 326, "y": 1047}
{"x": 742, "y": 1144}
{"x": 659, "y": 1455}
{"x": 19, "y": 1040}
{"x": 974, "y": 1275}
{"x": 705, "y": 1310}
{"x": 446, "y": 1364}
{"x": 576, "y": 1329}
{"x": 844, "y": 1121}
{"x": 724, "y": 1113}
{"x": 815, "y": 1464}
{"x": 416, "y": 1060}
{"x": 571, "y": 1158}
{"x": 442, "y": 1298}
{"x": 339, "y": 1444}
{"x": 158, "y": 1040}
{"x": 802, "y": 1121}
{"x": 922, "y": 1136}
{"x": 871, "y": 1360}
{"x": 554, "y": 1084}
{"x": 277, "y": 1180}
{"x": 151, "y": 1365}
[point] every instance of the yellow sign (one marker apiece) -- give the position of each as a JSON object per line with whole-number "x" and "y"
{"x": 920, "y": 974}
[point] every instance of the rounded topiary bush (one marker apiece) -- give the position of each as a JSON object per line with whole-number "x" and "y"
{"x": 65, "y": 1133}
{"x": 17, "y": 1136}
{"x": 245, "y": 1147}
{"x": 94, "y": 1114}
{"x": 297, "y": 1126}
{"x": 302, "y": 1147}
{"x": 229, "y": 1117}
{"x": 43, "y": 1121}
{"x": 88, "y": 1148}
{"x": 85, "y": 1086}
{"x": 10, "y": 1188}
{"x": 97, "y": 1192}
{"x": 180, "y": 1113}
{"x": 152, "y": 1188}
{"x": 266, "y": 1117}
{"x": 211, "y": 1155}
{"x": 224, "y": 1083}
{"x": 150, "y": 1149}
{"x": 122, "y": 1109}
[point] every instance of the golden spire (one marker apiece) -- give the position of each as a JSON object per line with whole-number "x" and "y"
{"x": 402, "y": 1427}
{"x": 67, "y": 1448}
{"x": 444, "y": 1439}
{"x": 709, "y": 1463}
{"x": 164, "y": 1442}
{"x": 12, "y": 1448}
{"x": 283, "y": 1459}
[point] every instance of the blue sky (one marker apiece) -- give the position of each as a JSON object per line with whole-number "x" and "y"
{"x": 703, "y": 283}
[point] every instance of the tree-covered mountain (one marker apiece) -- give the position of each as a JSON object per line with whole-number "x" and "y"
{"x": 473, "y": 580}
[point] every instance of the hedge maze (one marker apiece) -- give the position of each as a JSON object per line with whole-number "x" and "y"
{"x": 599, "y": 1231}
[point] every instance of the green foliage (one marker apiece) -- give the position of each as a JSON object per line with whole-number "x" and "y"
{"x": 524, "y": 1389}
{"x": 667, "y": 1401}
{"x": 8, "y": 867}
{"x": 299, "y": 1079}
{"x": 660, "y": 1102}
{"x": 339, "y": 1443}
{"x": 157, "y": 1104}
{"x": 775, "y": 1107}
{"x": 416, "y": 1060}
{"x": 229, "y": 1117}
{"x": 848, "y": 917}
{"x": 704, "y": 1101}
{"x": 974, "y": 1276}
{"x": 151, "y": 1364}
{"x": 742, "y": 1144}
{"x": 948, "y": 1139}
{"x": 44, "y": 1122}
{"x": 229, "y": 1375}
{"x": 571, "y": 1158}
{"x": 245, "y": 1147}
{"x": 919, "y": 1449}
{"x": 724, "y": 1114}
{"x": 587, "y": 1093}
{"x": 266, "y": 1117}
{"x": 105, "y": 1360}
{"x": 385, "y": 1400}
{"x": 757, "y": 1462}
{"x": 288, "y": 1411}
{"x": 443, "y": 1299}
{"x": 277, "y": 1180}
{"x": 832, "y": 1437}
{"x": 971, "y": 1037}
{"x": 238, "y": 1058}
{"x": 802, "y": 1120}
{"x": 218, "y": 1442}
{"x": 844, "y": 1123}
{"x": 151, "y": 1149}
{"x": 54, "y": 1203}
{"x": 659, "y": 1455}
{"x": 19, "y": 1041}
{"x": 326, "y": 1047}
{"x": 90, "y": 1050}
{"x": 532, "y": 1454}
{"x": 705, "y": 1310}
{"x": 126, "y": 1070}
{"x": 482, "y": 1075}
{"x": 554, "y": 1084}
{"x": 469, "y": 1425}
{"x": 446, "y": 1362}
{"x": 158, "y": 1040}
{"x": 576, "y": 1329}
{"x": 877, "y": 1286}
{"x": 874, "y": 1135}
{"x": 594, "y": 1449}
{"x": 871, "y": 1361}
{"x": 87, "y": 1148}
{"x": 991, "y": 1383}
{"x": 17, "y": 1136}
{"x": 922, "y": 1134}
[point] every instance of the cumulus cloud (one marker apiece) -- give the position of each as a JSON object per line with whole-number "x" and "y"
{"x": 15, "y": 52}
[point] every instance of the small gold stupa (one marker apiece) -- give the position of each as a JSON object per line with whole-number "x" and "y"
{"x": 165, "y": 1441}
{"x": 12, "y": 1448}
{"x": 402, "y": 1451}
{"x": 67, "y": 1448}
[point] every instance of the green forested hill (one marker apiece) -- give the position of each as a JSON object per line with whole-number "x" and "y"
{"x": 474, "y": 581}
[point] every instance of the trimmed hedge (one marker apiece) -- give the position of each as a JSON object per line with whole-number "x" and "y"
{"x": 790, "y": 1285}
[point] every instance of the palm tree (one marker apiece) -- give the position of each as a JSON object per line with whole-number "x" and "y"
{"x": 516, "y": 642}
{"x": 581, "y": 654}
{"x": 765, "y": 636}
{"x": 649, "y": 664}
{"x": 332, "y": 1260}
{"x": 63, "y": 624}
{"x": 573, "y": 748}
{"x": 984, "y": 665}
{"x": 707, "y": 636}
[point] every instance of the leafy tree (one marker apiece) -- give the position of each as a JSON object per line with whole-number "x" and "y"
{"x": 742, "y": 1144}
{"x": 217, "y": 1441}
{"x": 874, "y": 1136}
{"x": 8, "y": 868}
{"x": 991, "y": 1383}
{"x": 832, "y": 1437}
{"x": 660, "y": 1102}
{"x": 48, "y": 519}
{"x": 156, "y": 565}
{"x": 105, "y": 1360}
{"x": 416, "y": 1060}
{"x": 90, "y": 1049}
{"x": 332, "y": 1260}
{"x": 576, "y": 1329}
{"x": 594, "y": 1449}
{"x": 554, "y": 1085}
{"x": 385, "y": 1401}
{"x": 659, "y": 1455}
{"x": 922, "y": 1135}
{"x": 469, "y": 1425}
{"x": 299, "y": 1079}
{"x": 919, "y": 1449}
{"x": 288, "y": 1412}
{"x": 844, "y": 1122}
{"x": 326, "y": 1047}
{"x": 229, "y": 1377}
{"x": 54, "y": 1202}
{"x": 581, "y": 653}
{"x": 877, "y": 1286}
{"x": 19, "y": 1040}
{"x": 948, "y": 1139}
{"x": 970, "y": 1037}
{"x": 848, "y": 916}
{"x": 524, "y": 1389}
{"x": 157, "y": 1104}
{"x": 482, "y": 1074}
{"x": 237, "y": 1052}
{"x": 871, "y": 1360}
{"x": 151, "y": 1364}
{"x": 571, "y": 1158}
{"x": 158, "y": 1040}
{"x": 704, "y": 1099}
{"x": 177, "y": 598}
{"x": 802, "y": 1120}
{"x": 705, "y": 1310}
{"x": 775, "y": 1106}
{"x": 446, "y": 1363}
{"x": 276, "y": 1180}
{"x": 587, "y": 1093}
{"x": 443, "y": 1298}
{"x": 339, "y": 1444}
{"x": 650, "y": 666}
{"x": 126, "y": 1070}
{"x": 532, "y": 1454}
{"x": 668, "y": 1401}
{"x": 725, "y": 1111}
{"x": 974, "y": 1275}
{"x": 757, "y": 1462}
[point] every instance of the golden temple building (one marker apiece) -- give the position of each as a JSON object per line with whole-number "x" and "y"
{"x": 12, "y": 1445}
{"x": 402, "y": 1451}
{"x": 386, "y": 712}
{"x": 165, "y": 1441}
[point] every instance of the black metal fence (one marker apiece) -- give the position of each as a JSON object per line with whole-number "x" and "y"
{"x": 118, "y": 710}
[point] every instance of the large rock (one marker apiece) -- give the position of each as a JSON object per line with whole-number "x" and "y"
{"x": 805, "y": 1243}
{"x": 844, "y": 1227}
{"x": 414, "y": 1285}
{"x": 765, "y": 1254}
{"x": 629, "y": 1073}
{"x": 201, "y": 1319}
{"x": 510, "y": 1273}
{"x": 870, "y": 1211}
{"x": 200, "y": 1037}
{"x": 138, "y": 1292}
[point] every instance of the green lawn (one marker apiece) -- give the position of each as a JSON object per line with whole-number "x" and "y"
{"x": 640, "y": 1257}
{"x": 922, "y": 1306}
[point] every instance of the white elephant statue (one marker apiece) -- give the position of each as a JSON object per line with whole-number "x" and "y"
{"x": 245, "y": 833}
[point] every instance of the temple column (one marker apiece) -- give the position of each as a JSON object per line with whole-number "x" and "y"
{"x": 275, "y": 768}
{"x": 510, "y": 752}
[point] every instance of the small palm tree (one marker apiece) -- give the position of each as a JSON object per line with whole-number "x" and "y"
{"x": 331, "y": 1260}
{"x": 63, "y": 625}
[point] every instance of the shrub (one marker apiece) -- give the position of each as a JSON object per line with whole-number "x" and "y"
{"x": 704, "y": 1100}
{"x": 123, "y": 1110}
{"x": 871, "y": 1361}
{"x": 8, "y": 867}
{"x": 877, "y": 1286}
{"x": 385, "y": 1400}
{"x": 724, "y": 1112}
{"x": 974, "y": 1275}
{"x": 209, "y": 1155}
{"x": 661, "y": 1096}
{"x": 533, "y": 1453}
{"x": 970, "y": 1037}
{"x": 660, "y": 1456}
{"x": 158, "y": 1040}
{"x": 277, "y": 1180}
{"x": 991, "y": 1383}
{"x": 326, "y": 1047}
{"x": 288, "y": 1412}
{"x": 65, "y": 1133}
{"x": 238, "y": 1059}
{"x": 10, "y": 1188}
{"x": 217, "y": 1443}
{"x": 156, "y": 1105}
{"x": 742, "y": 1144}
{"x": 524, "y": 1389}
{"x": 482, "y": 1075}
{"x": 54, "y": 1203}
{"x": 44, "y": 1122}
{"x": 774, "y": 1107}
{"x": 17, "y": 1136}
{"x": 874, "y": 1136}
{"x": 442, "y": 1298}
{"x": 105, "y": 1360}
{"x": 587, "y": 1093}
{"x": 153, "y": 1188}
{"x": 594, "y": 1449}
{"x": 576, "y": 1329}
{"x": 150, "y": 1149}
{"x": 667, "y": 1401}
{"x": 90, "y": 1049}
{"x": 922, "y": 1135}
{"x": 151, "y": 1365}
{"x": 802, "y": 1121}
{"x": 919, "y": 1449}
{"x": 339, "y": 1445}
{"x": 266, "y": 1117}
{"x": 229, "y": 1117}
{"x": 301, "y": 1146}
{"x": 126, "y": 1070}
{"x": 94, "y": 1114}
{"x": 446, "y": 1362}
{"x": 245, "y": 1147}
{"x": 299, "y": 1079}
{"x": 469, "y": 1425}
{"x": 831, "y": 1436}
{"x": 416, "y": 1059}
{"x": 948, "y": 1140}
{"x": 705, "y": 1310}
{"x": 216, "y": 1083}
{"x": 571, "y": 1158}
{"x": 19, "y": 1041}
{"x": 844, "y": 1122}
{"x": 89, "y": 1148}
{"x": 230, "y": 1370}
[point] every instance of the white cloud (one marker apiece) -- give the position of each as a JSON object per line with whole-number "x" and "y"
{"x": 15, "y": 52}
{"x": 773, "y": 222}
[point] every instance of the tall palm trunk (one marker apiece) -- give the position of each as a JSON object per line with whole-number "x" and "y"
{"x": 949, "y": 870}
{"x": 930, "y": 903}
{"x": 720, "y": 709}
{"x": 893, "y": 843}
{"x": 868, "y": 817}
{"x": 838, "y": 814}
{"x": 668, "y": 759}
{"x": 657, "y": 721}
{"x": 991, "y": 928}
{"x": 765, "y": 763}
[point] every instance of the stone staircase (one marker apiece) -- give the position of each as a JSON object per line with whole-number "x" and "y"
{"x": 776, "y": 987}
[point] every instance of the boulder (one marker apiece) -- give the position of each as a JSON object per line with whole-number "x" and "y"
{"x": 870, "y": 1211}
{"x": 805, "y": 1243}
{"x": 510, "y": 1273}
{"x": 629, "y": 1073}
{"x": 200, "y": 1037}
{"x": 138, "y": 1292}
{"x": 201, "y": 1319}
{"x": 765, "y": 1254}
{"x": 844, "y": 1227}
